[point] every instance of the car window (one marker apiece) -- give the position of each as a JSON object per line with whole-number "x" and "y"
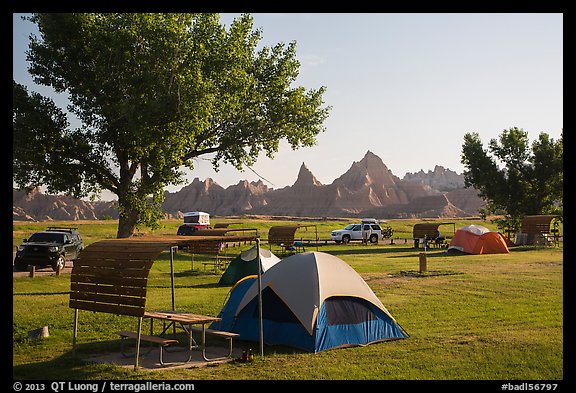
{"x": 43, "y": 237}
{"x": 366, "y": 227}
{"x": 185, "y": 230}
{"x": 357, "y": 227}
{"x": 349, "y": 227}
{"x": 376, "y": 227}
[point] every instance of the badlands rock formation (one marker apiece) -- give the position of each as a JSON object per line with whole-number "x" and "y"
{"x": 210, "y": 197}
{"x": 367, "y": 184}
{"x": 36, "y": 206}
{"x": 440, "y": 179}
{"x": 368, "y": 188}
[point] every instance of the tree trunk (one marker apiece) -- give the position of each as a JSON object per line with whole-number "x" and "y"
{"x": 127, "y": 219}
{"x": 128, "y": 216}
{"x": 126, "y": 223}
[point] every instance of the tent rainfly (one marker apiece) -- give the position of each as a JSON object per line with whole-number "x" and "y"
{"x": 313, "y": 301}
{"x": 476, "y": 239}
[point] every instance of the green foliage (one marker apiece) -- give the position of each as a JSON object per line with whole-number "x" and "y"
{"x": 153, "y": 92}
{"x": 530, "y": 180}
{"x": 510, "y": 223}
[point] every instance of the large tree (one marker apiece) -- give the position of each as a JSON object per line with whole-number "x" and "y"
{"x": 151, "y": 92}
{"x": 515, "y": 177}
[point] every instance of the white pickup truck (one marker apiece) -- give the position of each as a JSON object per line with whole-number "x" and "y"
{"x": 368, "y": 230}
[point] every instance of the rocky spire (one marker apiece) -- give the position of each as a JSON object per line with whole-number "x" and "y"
{"x": 370, "y": 170}
{"x": 306, "y": 178}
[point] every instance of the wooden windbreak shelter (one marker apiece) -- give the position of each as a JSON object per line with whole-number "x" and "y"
{"x": 429, "y": 231}
{"x": 284, "y": 235}
{"x": 222, "y": 231}
{"x": 535, "y": 229}
{"x": 111, "y": 276}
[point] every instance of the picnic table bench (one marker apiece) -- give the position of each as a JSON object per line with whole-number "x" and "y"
{"x": 161, "y": 341}
{"x": 213, "y": 250}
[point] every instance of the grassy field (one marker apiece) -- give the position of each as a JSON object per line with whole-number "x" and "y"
{"x": 472, "y": 317}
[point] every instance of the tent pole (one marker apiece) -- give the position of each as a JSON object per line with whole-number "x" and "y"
{"x": 260, "y": 298}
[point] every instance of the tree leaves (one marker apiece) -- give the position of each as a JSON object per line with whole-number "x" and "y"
{"x": 153, "y": 92}
{"x": 530, "y": 180}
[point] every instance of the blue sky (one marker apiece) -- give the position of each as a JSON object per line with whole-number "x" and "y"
{"x": 405, "y": 86}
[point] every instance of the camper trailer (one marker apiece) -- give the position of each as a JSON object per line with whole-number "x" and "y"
{"x": 194, "y": 221}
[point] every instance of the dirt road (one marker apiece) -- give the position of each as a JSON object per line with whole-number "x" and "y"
{"x": 41, "y": 270}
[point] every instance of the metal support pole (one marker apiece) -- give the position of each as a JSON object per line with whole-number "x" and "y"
{"x": 75, "y": 334}
{"x": 260, "y": 321}
{"x": 138, "y": 343}
{"x": 172, "y": 275}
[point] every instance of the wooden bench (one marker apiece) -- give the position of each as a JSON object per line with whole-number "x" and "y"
{"x": 218, "y": 333}
{"x": 160, "y": 341}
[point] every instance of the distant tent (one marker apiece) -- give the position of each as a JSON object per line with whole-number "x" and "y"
{"x": 246, "y": 264}
{"x": 476, "y": 239}
{"x": 313, "y": 301}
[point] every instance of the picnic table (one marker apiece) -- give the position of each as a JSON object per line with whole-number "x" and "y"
{"x": 111, "y": 276}
{"x": 185, "y": 321}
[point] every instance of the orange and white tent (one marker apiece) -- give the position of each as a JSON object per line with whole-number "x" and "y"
{"x": 476, "y": 239}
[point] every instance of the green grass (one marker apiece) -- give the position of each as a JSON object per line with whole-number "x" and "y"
{"x": 92, "y": 231}
{"x": 482, "y": 317}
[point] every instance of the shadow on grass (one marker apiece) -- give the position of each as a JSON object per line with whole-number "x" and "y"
{"x": 195, "y": 273}
{"x": 371, "y": 250}
{"x": 428, "y": 273}
{"x": 67, "y": 367}
{"x": 529, "y": 248}
{"x": 40, "y": 293}
{"x": 429, "y": 254}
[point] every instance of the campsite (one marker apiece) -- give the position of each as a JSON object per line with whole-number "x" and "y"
{"x": 468, "y": 317}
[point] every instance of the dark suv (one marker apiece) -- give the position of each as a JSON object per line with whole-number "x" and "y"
{"x": 50, "y": 247}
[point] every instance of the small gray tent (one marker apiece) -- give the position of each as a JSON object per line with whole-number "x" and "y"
{"x": 246, "y": 264}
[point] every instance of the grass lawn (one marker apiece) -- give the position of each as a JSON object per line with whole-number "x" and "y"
{"x": 472, "y": 317}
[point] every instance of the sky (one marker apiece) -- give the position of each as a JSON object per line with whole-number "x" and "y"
{"x": 405, "y": 86}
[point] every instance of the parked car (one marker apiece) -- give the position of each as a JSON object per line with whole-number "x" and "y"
{"x": 50, "y": 247}
{"x": 369, "y": 229}
{"x": 194, "y": 221}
